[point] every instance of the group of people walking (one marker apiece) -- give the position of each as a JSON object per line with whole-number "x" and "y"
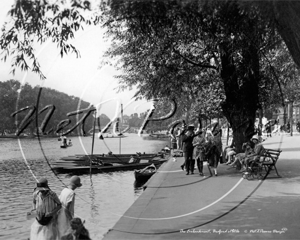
{"x": 55, "y": 215}
{"x": 198, "y": 146}
{"x": 204, "y": 145}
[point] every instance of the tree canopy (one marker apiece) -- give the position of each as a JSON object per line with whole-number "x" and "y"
{"x": 15, "y": 97}
{"x": 200, "y": 49}
{"x": 177, "y": 49}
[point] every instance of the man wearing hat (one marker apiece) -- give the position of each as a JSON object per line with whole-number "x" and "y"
{"x": 187, "y": 139}
{"x": 67, "y": 199}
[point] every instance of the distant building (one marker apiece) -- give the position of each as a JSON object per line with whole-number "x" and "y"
{"x": 284, "y": 116}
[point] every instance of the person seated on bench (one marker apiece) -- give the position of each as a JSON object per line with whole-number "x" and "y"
{"x": 248, "y": 149}
{"x": 229, "y": 153}
{"x": 257, "y": 151}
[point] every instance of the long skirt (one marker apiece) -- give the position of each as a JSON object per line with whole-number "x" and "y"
{"x": 213, "y": 160}
{"x": 40, "y": 232}
{"x": 64, "y": 222}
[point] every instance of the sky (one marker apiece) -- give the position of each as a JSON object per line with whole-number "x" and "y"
{"x": 80, "y": 77}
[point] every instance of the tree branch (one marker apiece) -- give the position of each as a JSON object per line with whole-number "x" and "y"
{"x": 202, "y": 65}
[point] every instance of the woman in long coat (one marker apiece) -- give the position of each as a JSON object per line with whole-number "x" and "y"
{"x": 199, "y": 144}
{"x": 218, "y": 142}
{"x": 212, "y": 154}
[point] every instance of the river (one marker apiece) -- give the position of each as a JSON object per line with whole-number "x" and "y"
{"x": 102, "y": 199}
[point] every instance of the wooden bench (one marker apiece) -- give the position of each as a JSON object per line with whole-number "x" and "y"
{"x": 269, "y": 160}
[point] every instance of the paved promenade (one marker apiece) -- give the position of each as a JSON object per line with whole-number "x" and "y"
{"x": 179, "y": 206}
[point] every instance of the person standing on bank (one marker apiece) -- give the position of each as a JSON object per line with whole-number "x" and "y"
{"x": 46, "y": 204}
{"x": 67, "y": 199}
{"x": 199, "y": 143}
{"x": 187, "y": 139}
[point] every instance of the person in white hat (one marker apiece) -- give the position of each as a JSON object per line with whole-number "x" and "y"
{"x": 257, "y": 152}
{"x": 67, "y": 199}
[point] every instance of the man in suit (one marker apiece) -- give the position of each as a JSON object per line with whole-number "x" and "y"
{"x": 187, "y": 139}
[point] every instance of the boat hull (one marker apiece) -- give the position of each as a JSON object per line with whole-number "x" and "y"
{"x": 71, "y": 167}
{"x": 142, "y": 177}
{"x": 115, "y": 158}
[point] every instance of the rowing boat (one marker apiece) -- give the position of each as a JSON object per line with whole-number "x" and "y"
{"x": 113, "y": 158}
{"x": 82, "y": 167}
{"x": 145, "y": 173}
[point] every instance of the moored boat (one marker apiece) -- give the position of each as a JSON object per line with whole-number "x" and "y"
{"x": 156, "y": 136}
{"x": 145, "y": 173}
{"x": 98, "y": 167}
{"x": 65, "y": 145}
{"x": 113, "y": 136}
{"x": 113, "y": 158}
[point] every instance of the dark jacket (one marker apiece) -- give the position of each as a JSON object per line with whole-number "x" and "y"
{"x": 188, "y": 142}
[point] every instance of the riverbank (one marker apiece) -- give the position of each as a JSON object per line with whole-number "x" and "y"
{"x": 177, "y": 206}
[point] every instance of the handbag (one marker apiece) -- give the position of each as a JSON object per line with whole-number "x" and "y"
{"x": 44, "y": 220}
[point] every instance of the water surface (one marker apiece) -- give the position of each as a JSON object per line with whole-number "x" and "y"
{"x": 101, "y": 200}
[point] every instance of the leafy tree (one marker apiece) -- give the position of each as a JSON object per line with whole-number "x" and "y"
{"x": 164, "y": 47}
{"x": 13, "y": 97}
{"x": 280, "y": 79}
{"x": 287, "y": 72}
{"x": 8, "y": 99}
{"x": 176, "y": 39}
{"x": 285, "y": 15}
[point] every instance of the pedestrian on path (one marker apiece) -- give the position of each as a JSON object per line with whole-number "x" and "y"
{"x": 212, "y": 154}
{"x": 46, "y": 204}
{"x": 218, "y": 142}
{"x": 67, "y": 199}
{"x": 199, "y": 148}
{"x": 187, "y": 139}
{"x": 179, "y": 138}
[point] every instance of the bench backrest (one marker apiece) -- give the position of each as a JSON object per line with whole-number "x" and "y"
{"x": 271, "y": 155}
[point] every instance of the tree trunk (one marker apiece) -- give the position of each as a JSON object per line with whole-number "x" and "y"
{"x": 260, "y": 114}
{"x": 241, "y": 90}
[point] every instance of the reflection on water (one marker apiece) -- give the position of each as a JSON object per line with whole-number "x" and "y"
{"x": 101, "y": 201}
{"x": 138, "y": 186}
